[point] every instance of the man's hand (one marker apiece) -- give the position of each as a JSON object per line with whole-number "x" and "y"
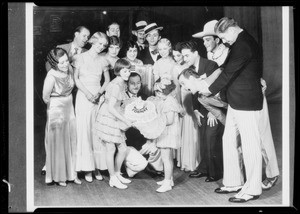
{"x": 198, "y": 116}
{"x": 264, "y": 85}
{"x": 148, "y": 147}
{"x": 211, "y": 120}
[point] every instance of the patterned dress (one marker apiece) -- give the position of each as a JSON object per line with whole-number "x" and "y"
{"x": 108, "y": 128}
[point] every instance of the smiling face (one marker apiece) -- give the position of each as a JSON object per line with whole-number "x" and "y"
{"x": 134, "y": 84}
{"x": 113, "y": 50}
{"x": 188, "y": 84}
{"x": 189, "y": 57}
{"x": 210, "y": 43}
{"x": 132, "y": 53}
{"x": 100, "y": 45}
{"x": 177, "y": 56}
{"x": 153, "y": 37}
{"x": 163, "y": 49}
{"x": 82, "y": 37}
{"x": 124, "y": 73}
{"x": 140, "y": 36}
{"x": 63, "y": 63}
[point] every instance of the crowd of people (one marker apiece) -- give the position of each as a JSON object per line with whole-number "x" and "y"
{"x": 215, "y": 109}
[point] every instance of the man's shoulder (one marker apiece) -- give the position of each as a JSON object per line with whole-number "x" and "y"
{"x": 66, "y": 46}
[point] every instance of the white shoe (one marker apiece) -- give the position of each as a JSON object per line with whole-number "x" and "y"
{"x": 63, "y": 184}
{"x": 166, "y": 186}
{"x": 114, "y": 182}
{"x": 161, "y": 182}
{"x": 98, "y": 176}
{"x": 77, "y": 181}
{"x": 122, "y": 179}
{"x": 88, "y": 177}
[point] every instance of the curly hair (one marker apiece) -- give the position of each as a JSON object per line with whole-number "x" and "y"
{"x": 54, "y": 55}
{"x": 168, "y": 88}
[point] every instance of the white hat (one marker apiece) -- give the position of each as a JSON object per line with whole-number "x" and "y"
{"x": 139, "y": 27}
{"x": 151, "y": 27}
{"x": 208, "y": 30}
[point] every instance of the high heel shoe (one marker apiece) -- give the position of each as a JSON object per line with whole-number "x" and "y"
{"x": 88, "y": 177}
{"x": 77, "y": 181}
{"x": 166, "y": 186}
{"x": 161, "y": 182}
{"x": 114, "y": 182}
{"x": 63, "y": 184}
{"x": 98, "y": 176}
{"x": 122, "y": 179}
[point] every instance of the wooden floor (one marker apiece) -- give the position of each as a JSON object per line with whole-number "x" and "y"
{"x": 191, "y": 192}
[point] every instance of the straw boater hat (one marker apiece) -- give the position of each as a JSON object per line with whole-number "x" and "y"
{"x": 139, "y": 27}
{"x": 151, "y": 27}
{"x": 208, "y": 30}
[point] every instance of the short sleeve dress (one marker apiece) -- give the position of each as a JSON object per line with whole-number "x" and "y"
{"x": 171, "y": 136}
{"x": 108, "y": 127}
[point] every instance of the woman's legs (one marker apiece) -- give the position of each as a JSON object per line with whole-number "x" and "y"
{"x": 110, "y": 152}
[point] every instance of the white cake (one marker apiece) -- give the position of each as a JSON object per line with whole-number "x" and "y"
{"x": 140, "y": 111}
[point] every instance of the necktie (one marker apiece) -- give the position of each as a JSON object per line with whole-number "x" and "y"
{"x": 154, "y": 52}
{"x": 75, "y": 51}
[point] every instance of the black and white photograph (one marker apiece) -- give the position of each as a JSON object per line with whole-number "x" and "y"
{"x": 156, "y": 106}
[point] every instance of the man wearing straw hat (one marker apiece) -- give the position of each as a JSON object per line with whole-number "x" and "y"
{"x": 152, "y": 34}
{"x": 140, "y": 34}
{"x": 218, "y": 52}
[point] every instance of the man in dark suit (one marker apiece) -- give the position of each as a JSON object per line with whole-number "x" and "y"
{"x": 140, "y": 35}
{"x": 211, "y": 131}
{"x": 150, "y": 54}
{"x": 241, "y": 76}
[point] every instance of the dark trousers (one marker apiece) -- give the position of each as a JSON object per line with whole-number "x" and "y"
{"x": 211, "y": 149}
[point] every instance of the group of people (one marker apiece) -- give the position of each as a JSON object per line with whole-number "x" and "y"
{"x": 214, "y": 108}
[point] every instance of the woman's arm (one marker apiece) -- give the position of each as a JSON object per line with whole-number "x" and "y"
{"x": 115, "y": 112}
{"x": 47, "y": 88}
{"x": 106, "y": 81}
{"x": 80, "y": 86}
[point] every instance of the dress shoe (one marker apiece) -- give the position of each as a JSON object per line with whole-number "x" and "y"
{"x": 243, "y": 198}
{"x": 115, "y": 182}
{"x": 166, "y": 186}
{"x": 77, "y": 181}
{"x": 268, "y": 183}
{"x": 226, "y": 190}
{"x": 63, "y": 184}
{"x": 43, "y": 172}
{"x": 161, "y": 182}
{"x": 98, "y": 176}
{"x": 197, "y": 174}
{"x": 211, "y": 179}
{"x": 88, "y": 177}
{"x": 122, "y": 179}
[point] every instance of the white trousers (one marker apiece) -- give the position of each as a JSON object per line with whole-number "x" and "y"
{"x": 246, "y": 123}
{"x": 267, "y": 143}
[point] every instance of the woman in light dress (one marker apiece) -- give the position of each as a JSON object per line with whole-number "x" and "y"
{"x": 89, "y": 67}
{"x": 60, "y": 131}
{"x": 188, "y": 156}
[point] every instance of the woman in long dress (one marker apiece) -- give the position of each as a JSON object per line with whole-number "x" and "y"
{"x": 188, "y": 156}
{"x": 89, "y": 67}
{"x": 60, "y": 132}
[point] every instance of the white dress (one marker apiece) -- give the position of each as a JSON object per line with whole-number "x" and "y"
{"x": 90, "y": 151}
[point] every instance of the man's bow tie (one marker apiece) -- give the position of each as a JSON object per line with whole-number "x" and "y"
{"x": 154, "y": 52}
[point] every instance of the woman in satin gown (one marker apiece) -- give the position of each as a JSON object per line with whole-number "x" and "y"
{"x": 60, "y": 131}
{"x": 88, "y": 69}
{"x": 188, "y": 156}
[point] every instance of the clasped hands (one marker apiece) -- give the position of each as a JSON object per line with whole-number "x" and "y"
{"x": 93, "y": 98}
